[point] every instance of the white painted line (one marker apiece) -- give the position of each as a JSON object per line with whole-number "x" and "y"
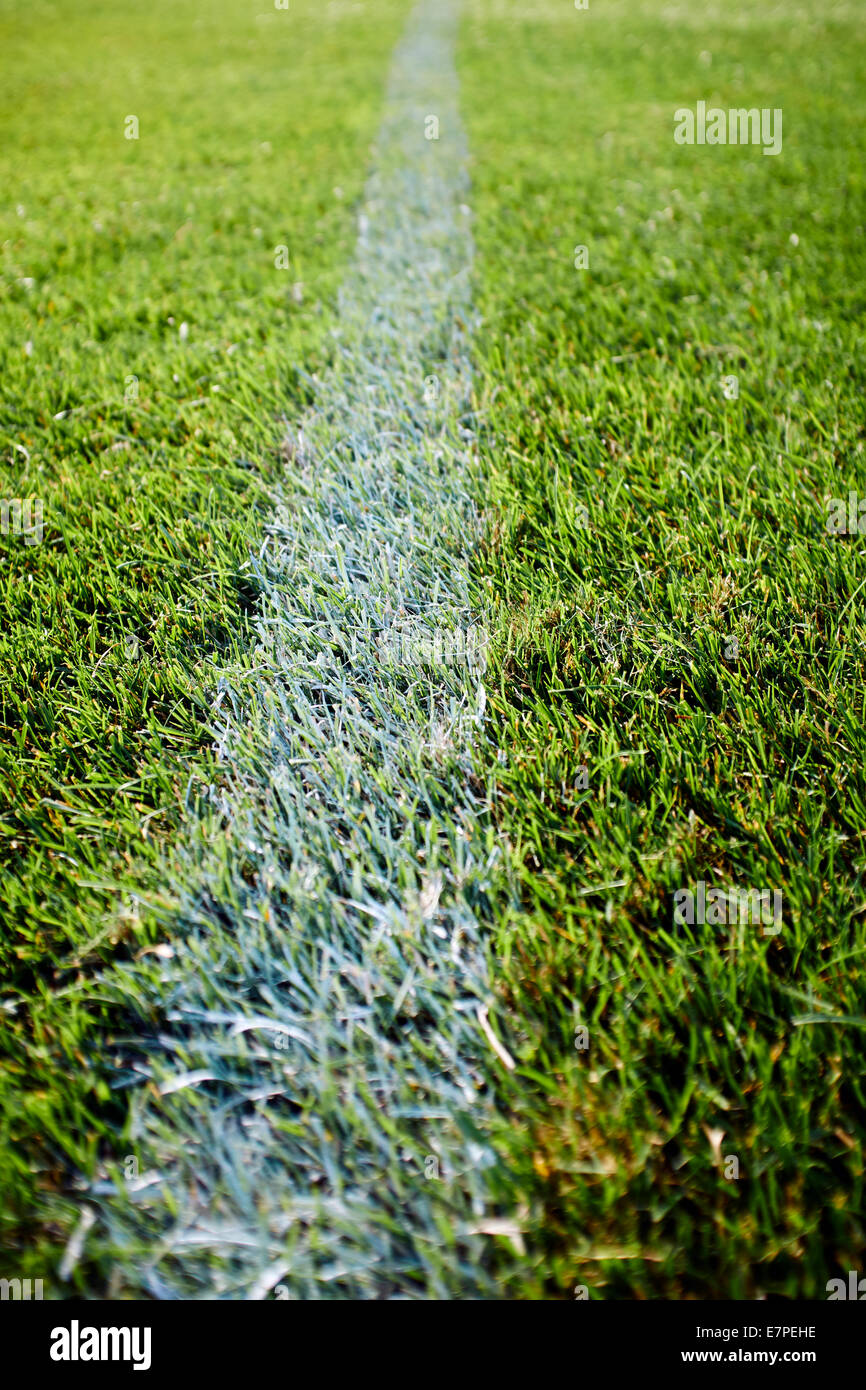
{"x": 329, "y": 967}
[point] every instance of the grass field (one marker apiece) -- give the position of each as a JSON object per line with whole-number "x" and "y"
{"x": 706, "y": 522}
{"x": 676, "y": 679}
{"x": 113, "y": 625}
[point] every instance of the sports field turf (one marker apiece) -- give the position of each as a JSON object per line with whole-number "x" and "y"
{"x": 674, "y": 691}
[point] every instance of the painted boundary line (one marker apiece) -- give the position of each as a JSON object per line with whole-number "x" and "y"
{"x": 322, "y": 1068}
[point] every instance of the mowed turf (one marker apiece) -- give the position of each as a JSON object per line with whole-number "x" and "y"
{"x": 675, "y": 618}
{"x": 678, "y": 675}
{"x": 151, "y": 352}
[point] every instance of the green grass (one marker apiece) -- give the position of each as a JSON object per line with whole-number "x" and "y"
{"x": 670, "y": 612}
{"x": 704, "y": 522}
{"x": 110, "y": 629}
